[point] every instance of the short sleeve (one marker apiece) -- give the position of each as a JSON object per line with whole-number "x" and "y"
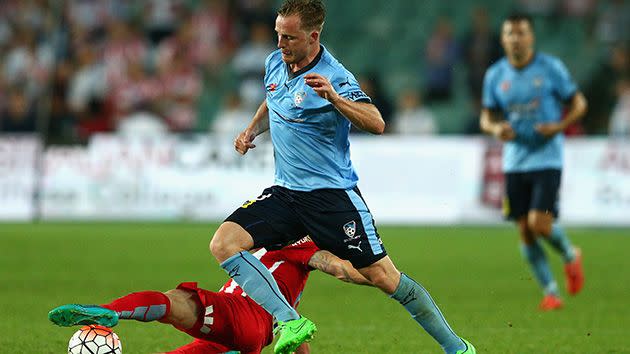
{"x": 348, "y": 87}
{"x": 564, "y": 85}
{"x": 489, "y": 99}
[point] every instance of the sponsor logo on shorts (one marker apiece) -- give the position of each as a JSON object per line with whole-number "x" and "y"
{"x": 250, "y": 202}
{"x": 350, "y": 228}
{"x": 357, "y": 247}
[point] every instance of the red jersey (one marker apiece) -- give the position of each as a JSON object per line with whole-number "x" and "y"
{"x": 232, "y": 320}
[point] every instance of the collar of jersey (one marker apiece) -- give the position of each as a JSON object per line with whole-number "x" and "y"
{"x": 310, "y": 65}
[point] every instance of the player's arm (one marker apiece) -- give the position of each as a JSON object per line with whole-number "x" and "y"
{"x": 492, "y": 122}
{"x": 337, "y": 267}
{"x": 364, "y": 116}
{"x": 258, "y": 125}
{"x": 575, "y": 110}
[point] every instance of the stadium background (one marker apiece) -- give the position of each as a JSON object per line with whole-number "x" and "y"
{"x": 125, "y": 110}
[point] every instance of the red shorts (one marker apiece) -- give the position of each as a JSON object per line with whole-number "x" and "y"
{"x": 230, "y": 321}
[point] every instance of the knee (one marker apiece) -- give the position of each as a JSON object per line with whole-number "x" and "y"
{"x": 525, "y": 232}
{"x": 228, "y": 240}
{"x": 184, "y": 309}
{"x": 219, "y": 246}
{"x": 386, "y": 283}
{"x": 382, "y": 279}
{"x": 539, "y": 226}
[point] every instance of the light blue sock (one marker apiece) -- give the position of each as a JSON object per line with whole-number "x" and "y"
{"x": 535, "y": 256}
{"x": 419, "y": 304}
{"x": 256, "y": 280}
{"x": 560, "y": 242}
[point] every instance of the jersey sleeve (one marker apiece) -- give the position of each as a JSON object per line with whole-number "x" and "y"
{"x": 489, "y": 99}
{"x": 348, "y": 87}
{"x": 564, "y": 86}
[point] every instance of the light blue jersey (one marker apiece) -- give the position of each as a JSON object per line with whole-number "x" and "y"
{"x": 532, "y": 95}
{"x": 310, "y": 137}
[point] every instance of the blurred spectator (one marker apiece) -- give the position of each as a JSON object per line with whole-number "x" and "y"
{"x": 123, "y": 47}
{"x": 480, "y": 48}
{"x": 600, "y": 90}
{"x": 181, "y": 88}
{"x": 441, "y": 56}
{"x": 86, "y": 94}
{"x": 214, "y": 35}
{"x": 88, "y": 16}
{"x": 233, "y": 117}
{"x": 254, "y": 11}
{"x": 28, "y": 62}
{"x": 61, "y": 123}
{"x": 18, "y": 114}
{"x": 411, "y": 117}
{"x": 28, "y": 13}
{"x": 543, "y": 8}
{"x": 620, "y": 118}
{"x": 161, "y": 18}
{"x": 371, "y": 84}
{"x": 138, "y": 91}
{"x": 249, "y": 64}
{"x": 578, "y": 8}
{"x": 6, "y": 33}
{"x": 204, "y": 40}
{"x": 88, "y": 83}
{"x": 613, "y": 21}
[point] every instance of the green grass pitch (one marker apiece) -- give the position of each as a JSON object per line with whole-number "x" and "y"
{"x": 475, "y": 274}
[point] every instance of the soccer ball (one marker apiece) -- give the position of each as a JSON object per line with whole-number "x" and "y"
{"x": 94, "y": 339}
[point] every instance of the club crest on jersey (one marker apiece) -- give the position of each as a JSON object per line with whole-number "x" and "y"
{"x": 505, "y": 86}
{"x": 350, "y": 228}
{"x": 298, "y": 98}
{"x": 272, "y": 87}
{"x": 538, "y": 81}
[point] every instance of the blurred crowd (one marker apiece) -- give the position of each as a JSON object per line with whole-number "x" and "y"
{"x": 72, "y": 68}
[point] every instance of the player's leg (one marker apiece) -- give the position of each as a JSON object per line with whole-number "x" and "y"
{"x": 541, "y": 220}
{"x": 417, "y": 301}
{"x": 144, "y": 306}
{"x": 346, "y": 228}
{"x": 246, "y": 228}
{"x": 519, "y": 191}
{"x": 535, "y": 256}
{"x": 222, "y": 321}
{"x": 251, "y": 226}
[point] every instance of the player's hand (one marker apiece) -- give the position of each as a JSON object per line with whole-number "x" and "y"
{"x": 504, "y": 132}
{"x": 549, "y": 129}
{"x": 322, "y": 86}
{"x": 244, "y": 141}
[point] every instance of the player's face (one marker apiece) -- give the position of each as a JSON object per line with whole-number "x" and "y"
{"x": 293, "y": 41}
{"x": 517, "y": 38}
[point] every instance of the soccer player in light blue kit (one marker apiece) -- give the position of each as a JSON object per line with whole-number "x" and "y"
{"x": 524, "y": 95}
{"x": 312, "y": 100}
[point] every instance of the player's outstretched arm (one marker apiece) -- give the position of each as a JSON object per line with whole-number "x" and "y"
{"x": 337, "y": 267}
{"x": 259, "y": 124}
{"x": 364, "y": 116}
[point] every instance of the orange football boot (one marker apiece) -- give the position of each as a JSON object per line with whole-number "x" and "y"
{"x": 550, "y": 302}
{"x": 574, "y": 273}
